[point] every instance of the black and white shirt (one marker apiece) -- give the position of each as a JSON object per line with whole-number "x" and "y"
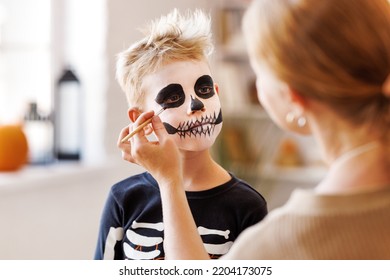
{"x": 132, "y": 223}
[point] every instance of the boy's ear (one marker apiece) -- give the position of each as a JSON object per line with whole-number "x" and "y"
{"x": 216, "y": 88}
{"x": 133, "y": 113}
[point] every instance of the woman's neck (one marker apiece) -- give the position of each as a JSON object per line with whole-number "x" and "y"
{"x": 358, "y": 161}
{"x": 361, "y": 169}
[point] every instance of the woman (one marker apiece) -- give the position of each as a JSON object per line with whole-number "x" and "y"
{"x": 322, "y": 67}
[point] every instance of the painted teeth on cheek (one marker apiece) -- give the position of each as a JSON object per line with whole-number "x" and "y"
{"x": 205, "y": 126}
{"x": 202, "y": 130}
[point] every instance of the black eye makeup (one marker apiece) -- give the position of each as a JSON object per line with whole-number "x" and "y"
{"x": 171, "y": 96}
{"x": 204, "y": 87}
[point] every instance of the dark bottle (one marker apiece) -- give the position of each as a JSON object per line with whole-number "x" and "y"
{"x": 68, "y": 117}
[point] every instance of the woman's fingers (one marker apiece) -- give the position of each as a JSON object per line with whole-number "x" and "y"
{"x": 124, "y": 132}
{"x": 125, "y": 146}
{"x": 159, "y": 128}
{"x": 140, "y": 137}
{"x": 131, "y": 146}
{"x": 140, "y": 150}
{"x": 161, "y": 158}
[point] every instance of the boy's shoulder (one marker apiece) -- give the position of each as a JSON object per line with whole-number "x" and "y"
{"x": 234, "y": 191}
{"x": 236, "y": 195}
{"x": 241, "y": 184}
{"x": 245, "y": 199}
{"x": 241, "y": 187}
{"x": 135, "y": 184}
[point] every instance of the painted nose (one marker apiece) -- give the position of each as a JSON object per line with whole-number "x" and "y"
{"x": 196, "y": 104}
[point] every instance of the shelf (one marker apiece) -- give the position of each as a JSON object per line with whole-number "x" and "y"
{"x": 246, "y": 112}
{"x": 232, "y": 53}
{"x": 32, "y": 177}
{"x": 305, "y": 174}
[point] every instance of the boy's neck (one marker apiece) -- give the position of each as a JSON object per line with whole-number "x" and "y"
{"x": 201, "y": 172}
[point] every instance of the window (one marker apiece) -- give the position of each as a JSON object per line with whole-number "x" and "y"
{"x": 25, "y": 57}
{"x": 38, "y": 39}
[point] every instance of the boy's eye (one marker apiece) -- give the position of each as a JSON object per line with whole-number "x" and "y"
{"x": 171, "y": 99}
{"x": 204, "y": 87}
{"x": 171, "y": 96}
{"x": 205, "y": 90}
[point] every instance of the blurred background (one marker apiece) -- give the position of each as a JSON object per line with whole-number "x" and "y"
{"x": 57, "y": 86}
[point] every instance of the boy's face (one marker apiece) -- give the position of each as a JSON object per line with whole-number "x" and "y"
{"x": 193, "y": 109}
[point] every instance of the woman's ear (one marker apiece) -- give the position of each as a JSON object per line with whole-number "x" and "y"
{"x": 297, "y": 98}
{"x": 133, "y": 113}
{"x": 301, "y": 104}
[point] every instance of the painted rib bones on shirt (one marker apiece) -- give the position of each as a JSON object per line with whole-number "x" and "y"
{"x": 140, "y": 247}
{"x": 140, "y": 241}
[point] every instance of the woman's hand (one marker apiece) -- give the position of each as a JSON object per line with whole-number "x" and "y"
{"x": 161, "y": 158}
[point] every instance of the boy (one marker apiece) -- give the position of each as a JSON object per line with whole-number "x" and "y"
{"x": 169, "y": 69}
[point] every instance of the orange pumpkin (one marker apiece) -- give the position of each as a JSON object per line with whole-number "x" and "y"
{"x": 13, "y": 147}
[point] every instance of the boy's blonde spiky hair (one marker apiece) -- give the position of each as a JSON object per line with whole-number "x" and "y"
{"x": 173, "y": 37}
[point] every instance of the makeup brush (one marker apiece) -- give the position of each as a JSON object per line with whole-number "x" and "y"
{"x": 141, "y": 126}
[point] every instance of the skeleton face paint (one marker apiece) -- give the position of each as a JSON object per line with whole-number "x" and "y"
{"x": 196, "y": 104}
{"x": 193, "y": 111}
{"x": 204, "y": 87}
{"x": 171, "y": 96}
{"x": 200, "y": 127}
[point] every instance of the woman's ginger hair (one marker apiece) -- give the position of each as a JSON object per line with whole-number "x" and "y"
{"x": 336, "y": 51}
{"x": 174, "y": 37}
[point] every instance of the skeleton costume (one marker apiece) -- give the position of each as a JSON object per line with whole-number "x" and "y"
{"x": 132, "y": 223}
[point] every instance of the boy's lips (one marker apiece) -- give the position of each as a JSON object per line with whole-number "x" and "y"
{"x": 203, "y": 126}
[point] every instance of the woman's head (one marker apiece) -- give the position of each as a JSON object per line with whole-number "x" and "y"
{"x": 333, "y": 51}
